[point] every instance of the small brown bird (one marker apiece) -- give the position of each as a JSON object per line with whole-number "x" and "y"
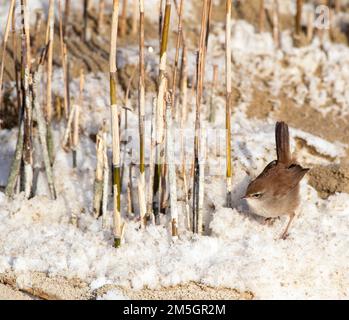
{"x": 275, "y": 191}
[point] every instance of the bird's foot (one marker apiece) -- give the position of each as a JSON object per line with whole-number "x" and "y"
{"x": 269, "y": 221}
{"x": 284, "y": 235}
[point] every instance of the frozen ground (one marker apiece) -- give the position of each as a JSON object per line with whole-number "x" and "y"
{"x": 237, "y": 251}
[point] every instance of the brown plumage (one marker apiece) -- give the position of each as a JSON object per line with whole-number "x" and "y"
{"x": 275, "y": 191}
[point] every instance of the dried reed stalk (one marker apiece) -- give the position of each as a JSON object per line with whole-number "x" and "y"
{"x": 49, "y": 43}
{"x": 66, "y": 143}
{"x": 126, "y": 110}
{"x": 38, "y": 23}
{"x": 175, "y": 67}
{"x": 75, "y": 140}
{"x": 141, "y": 116}
{"x": 64, "y": 58}
{"x": 200, "y": 67}
{"x": 151, "y": 162}
{"x": 26, "y": 31}
{"x": 171, "y": 167}
{"x": 42, "y": 133}
{"x": 212, "y": 115}
{"x": 184, "y": 84}
{"x": 27, "y": 139}
{"x": 15, "y": 62}
{"x": 4, "y": 45}
{"x": 99, "y": 174}
{"x": 158, "y": 170}
{"x": 228, "y": 101}
{"x": 105, "y": 177}
{"x": 16, "y": 162}
{"x": 115, "y": 126}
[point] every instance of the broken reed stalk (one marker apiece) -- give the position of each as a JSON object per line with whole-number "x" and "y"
{"x": 27, "y": 106}
{"x": 38, "y": 22}
{"x": 4, "y": 45}
{"x": 16, "y": 162}
{"x": 100, "y": 21}
{"x": 261, "y": 16}
{"x": 27, "y": 139}
{"x": 105, "y": 177}
{"x": 141, "y": 116}
{"x": 202, "y": 161}
{"x": 99, "y": 174}
{"x": 75, "y": 140}
{"x": 298, "y": 18}
{"x": 276, "y": 27}
{"x": 175, "y": 67}
{"x": 66, "y": 143}
{"x": 200, "y": 67}
{"x": 13, "y": 177}
{"x": 162, "y": 83}
{"x": 115, "y": 127}
{"x": 212, "y": 115}
{"x": 49, "y": 43}
{"x": 151, "y": 163}
{"x": 228, "y": 102}
{"x": 42, "y": 133}
{"x": 123, "y": 19}
{"x": 184, "y": 84}
{"x": 183, "y": 119}
{"x": 134, "y": 27}
{"x": 16, "y": 63}
{"x": 63, "y": 49}
{"x": 126, "y": 110}
{"x": 170, "y": 159}
{"x": 25, "y": 21}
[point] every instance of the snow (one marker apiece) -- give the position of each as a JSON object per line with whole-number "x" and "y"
{"x": 237, "y": 250}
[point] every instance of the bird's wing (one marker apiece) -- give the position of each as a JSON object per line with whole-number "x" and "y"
{"x": 289, "y": 178}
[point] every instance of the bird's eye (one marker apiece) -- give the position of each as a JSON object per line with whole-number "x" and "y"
{"x": 257, "y": 195}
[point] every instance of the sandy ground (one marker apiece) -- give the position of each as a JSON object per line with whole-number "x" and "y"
{"x": 37, "y": 285}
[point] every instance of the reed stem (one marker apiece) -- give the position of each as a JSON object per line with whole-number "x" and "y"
{"x": 141, "y": 116}
{"x": 200, "y": 67}
{"x": 171, "y": 167}
{"x": 4, "y": 45}
{"x": 115, "y": 126}
{"x": 228, "y": 101}
{"x": 158, "y": 171}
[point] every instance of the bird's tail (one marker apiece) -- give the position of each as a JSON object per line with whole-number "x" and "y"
{"x": 282, "y": 140}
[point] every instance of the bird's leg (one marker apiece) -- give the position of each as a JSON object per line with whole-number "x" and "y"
{"x": 285, "y": 234}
